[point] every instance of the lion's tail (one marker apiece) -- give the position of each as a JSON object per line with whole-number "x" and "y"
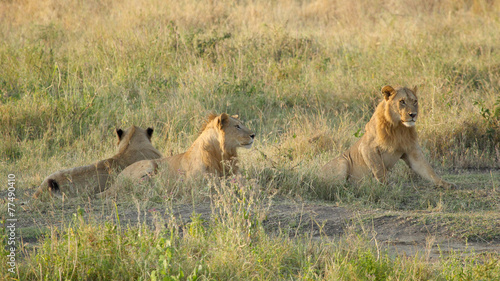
{"x": 49, "y": 185}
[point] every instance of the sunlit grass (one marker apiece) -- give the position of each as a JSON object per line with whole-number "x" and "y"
{"x": 304, "y": 75}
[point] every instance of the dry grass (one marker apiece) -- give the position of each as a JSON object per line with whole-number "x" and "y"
{"x": 305, "y": 75}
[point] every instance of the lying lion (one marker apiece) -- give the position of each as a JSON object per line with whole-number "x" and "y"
{"x": 213, "y": 152}
{"x": 390, "y": 135}
{"x": 134, "y": 144}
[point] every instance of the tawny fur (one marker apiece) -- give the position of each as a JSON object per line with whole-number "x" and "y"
{"x": 134, "y": 144}
{"x": 390, "y": 135}
{"x": 213, "y": 152}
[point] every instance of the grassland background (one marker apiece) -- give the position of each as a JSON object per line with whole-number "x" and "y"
{"x": 72, "y": 71}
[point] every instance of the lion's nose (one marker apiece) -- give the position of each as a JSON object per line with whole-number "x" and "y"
{"x": 412, "y": 114}
{"x": 252, "y": 136}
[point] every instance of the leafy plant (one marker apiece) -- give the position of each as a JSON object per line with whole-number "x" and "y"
{"x": 491, "y": 117}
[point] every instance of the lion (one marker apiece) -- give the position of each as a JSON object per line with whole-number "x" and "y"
{"x": 213, "y": 152}
{"x": 134, "y": 144}
{"x": 390, "y": 135}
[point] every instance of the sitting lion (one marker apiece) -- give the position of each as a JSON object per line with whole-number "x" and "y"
{"x": 134, "y": 144}
{"x": 390, "y": 135}
{"x": 213, "y": 152}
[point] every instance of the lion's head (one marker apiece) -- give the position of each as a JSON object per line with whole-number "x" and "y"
{"x": 133, "y": 135}
{"x": 233, "y": 133}
{"x": 134, "y": 144}
{"x": 402, "y": 105}
{"x": 236, "y": 134}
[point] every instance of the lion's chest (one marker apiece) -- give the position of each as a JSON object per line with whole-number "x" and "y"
{"x": 390, "y": 158}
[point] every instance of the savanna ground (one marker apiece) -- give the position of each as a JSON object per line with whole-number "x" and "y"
{"x": 305, "y": 76}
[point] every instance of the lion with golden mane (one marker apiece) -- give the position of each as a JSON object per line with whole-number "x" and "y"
{"x": 213, "y": 152}
{"x": 134, "y": 144}
{"x": 390, "y": 135}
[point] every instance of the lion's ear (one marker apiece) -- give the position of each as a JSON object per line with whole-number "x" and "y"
{"x": 415, "y": 90}
{"x": 119, "y": 132}
{"x": 150, "y": 131}
{"x": 387, "y": 91}
{"x": 222, "y": 119}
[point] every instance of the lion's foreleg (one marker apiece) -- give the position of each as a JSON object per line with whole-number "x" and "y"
{"x": 416, "y": 161}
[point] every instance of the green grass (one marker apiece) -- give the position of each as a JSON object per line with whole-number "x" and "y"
{"x": 304, "y": 75}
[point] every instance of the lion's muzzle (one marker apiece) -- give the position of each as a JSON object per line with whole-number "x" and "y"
{"x": 248, "y": 145}
{"x": 412, "y": 121}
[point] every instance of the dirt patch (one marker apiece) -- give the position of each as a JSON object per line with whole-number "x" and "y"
{"x": 402, "y": 233}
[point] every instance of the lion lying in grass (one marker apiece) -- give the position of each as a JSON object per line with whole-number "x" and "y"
{"x": 213, "y": 152}
{"x": 134, "y": 144}
{"x": 390, "y": 135}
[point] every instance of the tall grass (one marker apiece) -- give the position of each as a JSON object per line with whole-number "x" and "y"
{"x": 305, "y": 75}
{"x": 72, "y": 71}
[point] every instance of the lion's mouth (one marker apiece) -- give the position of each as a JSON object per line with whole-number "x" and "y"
{"x": 247, "y": 145}
{"x": 409, "y": 123}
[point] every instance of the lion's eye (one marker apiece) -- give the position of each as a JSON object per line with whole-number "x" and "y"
{"x": 402, "y": 102}
{"x": 238, "y": 127}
